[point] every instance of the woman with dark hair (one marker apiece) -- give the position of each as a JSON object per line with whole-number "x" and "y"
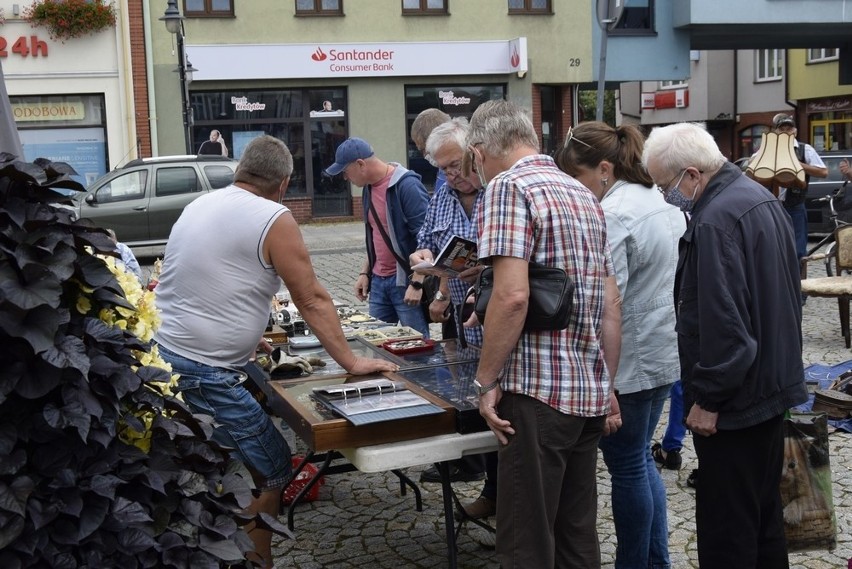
{"x": 643, "y": 233}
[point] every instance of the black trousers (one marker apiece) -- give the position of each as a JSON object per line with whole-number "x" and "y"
{"x": 738, "y": 511}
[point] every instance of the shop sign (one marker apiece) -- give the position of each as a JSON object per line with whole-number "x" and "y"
{"x": 648, "y": 100}
{"x": 302, "y": 61}
{"x": 23, "y": 46}
{"x": 676, "y": 99}
{"x": 58, "y": 111}
{"x": 828, "y": 105}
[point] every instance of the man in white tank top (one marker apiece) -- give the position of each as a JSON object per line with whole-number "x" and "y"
{"x": 225, "y": 259}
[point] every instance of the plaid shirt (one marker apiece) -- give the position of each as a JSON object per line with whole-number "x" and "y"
{"x": 444, "y": 218}
{"x": 536, "y": 212}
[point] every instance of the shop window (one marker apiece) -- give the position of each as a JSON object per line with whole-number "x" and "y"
{"x": 319, "y": 7}
{"x": 750, "y": 139}
{"x": 822, "y": 54}
{"x": 636, "y": 19}
{"x": 673, "y": 84}
{"x": 768, "y": 65}
{"x": 424, "y": 7}
{"x": 530, "y": 7}
{"x": 196, "y": 8}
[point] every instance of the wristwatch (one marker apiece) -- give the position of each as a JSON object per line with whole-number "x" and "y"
{"x": 441, "y": 297}
{"x": 483, "y": 389}
{"x": 416, "y": 285}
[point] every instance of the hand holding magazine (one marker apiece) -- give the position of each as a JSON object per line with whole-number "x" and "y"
{"x": 458, "y": 255}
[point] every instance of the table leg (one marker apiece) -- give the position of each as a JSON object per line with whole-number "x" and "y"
{"x": 292, "y": 507}
{"x": 406, "y": 481}
{"x": 447, "y": 490}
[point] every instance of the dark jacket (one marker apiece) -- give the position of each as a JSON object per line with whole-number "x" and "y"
{"x": 406, "y": 204}
{"x": 737, "y": 294}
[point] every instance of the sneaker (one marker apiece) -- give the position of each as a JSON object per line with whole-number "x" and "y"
{"x": 480, "y": 508}
{"x": 692, "y": 479}
{"x": 668, "y": 459}
{"x": 431, "y": 474}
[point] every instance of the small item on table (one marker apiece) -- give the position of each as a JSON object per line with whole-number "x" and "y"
{"x": 408, "y": 346}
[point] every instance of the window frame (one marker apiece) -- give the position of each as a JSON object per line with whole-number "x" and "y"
{"x": 424, "y": 9}
{"x": 673, "y": 84}
{"x": 208, "y": 11}
{"x": 764, "y": 58}
{"x": 651, "y": 30}
{"x": 529, "y": 10}
{"x": 823, "y": 54}
{"x": 318, "y": 10}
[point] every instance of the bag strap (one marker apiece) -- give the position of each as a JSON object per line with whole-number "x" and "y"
{"x": 387, "y": 240}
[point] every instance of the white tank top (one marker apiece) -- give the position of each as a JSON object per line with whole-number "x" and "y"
{"x": 215, "y": 290}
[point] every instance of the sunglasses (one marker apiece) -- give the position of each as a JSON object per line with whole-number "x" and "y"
{"x": 569, "y": 136}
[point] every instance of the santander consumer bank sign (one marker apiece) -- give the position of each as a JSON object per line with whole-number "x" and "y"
{"x": 274, "y": 61}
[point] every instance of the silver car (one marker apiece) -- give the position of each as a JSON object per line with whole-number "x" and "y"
{"x": 143, "y": 199}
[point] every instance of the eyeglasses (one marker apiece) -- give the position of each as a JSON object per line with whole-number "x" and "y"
{"x": 664, "y": 188}
{"x": 569, "y": 136}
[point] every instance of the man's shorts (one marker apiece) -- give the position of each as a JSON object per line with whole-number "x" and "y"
{"x": 241, "y": 423}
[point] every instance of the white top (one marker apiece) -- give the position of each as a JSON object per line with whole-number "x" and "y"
{"x": 215, "y": 290}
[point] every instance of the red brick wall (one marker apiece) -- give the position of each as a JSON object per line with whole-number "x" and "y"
{"x": 140, "y": 80}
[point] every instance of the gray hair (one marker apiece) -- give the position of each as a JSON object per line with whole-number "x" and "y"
{"x": 425, "y": 123}
{"x": 501, "y": 126}
{"x": 265, "y": 162}
{"x": 453, "y": 132}
{"x": 678, "y": 146}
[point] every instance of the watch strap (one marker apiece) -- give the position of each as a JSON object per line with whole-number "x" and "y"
{"x": 483, "y": 389}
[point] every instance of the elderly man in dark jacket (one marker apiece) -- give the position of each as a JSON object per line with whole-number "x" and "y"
{"x": 739, "y": 319}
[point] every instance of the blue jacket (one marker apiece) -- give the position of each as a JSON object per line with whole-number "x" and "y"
{"x": 407, "y": 200}
{"x": 739, "y": 314}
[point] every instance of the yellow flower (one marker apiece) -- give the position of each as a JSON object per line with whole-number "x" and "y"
{"x": 84, "y": 304}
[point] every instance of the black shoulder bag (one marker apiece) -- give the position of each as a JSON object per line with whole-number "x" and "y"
{"x": 551, "y": 299}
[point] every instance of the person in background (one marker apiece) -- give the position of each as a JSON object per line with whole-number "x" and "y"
{"x": 128, "y": 259}
{"x": 546, "y": 395}
{"x": 215, "y": 146}
{"x": 245, "y": 241}
{"x": 667, "y": 453}
{"x": 739, "y": 325}
{"x": 643, "y": 233}
{"x": 845, "y": 169}
{"x": 454, "y": 210}
{"x": 421, "y": 128}
{"x": 394, "y": 203}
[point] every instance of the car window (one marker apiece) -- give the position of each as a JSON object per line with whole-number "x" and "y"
{"x": 219, "y": 175}
{"x": 130, "y": 186}
{"x": 833, "y": 165}
{"x": 175, "y": 181}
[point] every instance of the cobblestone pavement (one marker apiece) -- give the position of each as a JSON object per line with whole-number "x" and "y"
{"x": 361, "y": 520}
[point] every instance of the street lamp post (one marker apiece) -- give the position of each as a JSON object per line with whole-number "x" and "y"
{"x": 174, "y": 24}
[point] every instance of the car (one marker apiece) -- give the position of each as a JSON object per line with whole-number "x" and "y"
{"x": 143, "y": 199}
{"x": 819, "y": 215}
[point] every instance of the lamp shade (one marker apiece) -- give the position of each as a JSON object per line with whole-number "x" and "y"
{"x": 776, "y": 163}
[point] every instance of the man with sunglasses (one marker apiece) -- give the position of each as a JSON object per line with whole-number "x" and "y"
{"x": 545, "y": 394}
{"x": 740, "y": 343}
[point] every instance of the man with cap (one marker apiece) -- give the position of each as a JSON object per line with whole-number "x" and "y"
{"x": 794, "y": 198}
{"x": 394, "y": 203}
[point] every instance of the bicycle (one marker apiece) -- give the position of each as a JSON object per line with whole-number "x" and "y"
{"x": 828, "y": 240}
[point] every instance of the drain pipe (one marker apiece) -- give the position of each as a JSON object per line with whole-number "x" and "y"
{"x": 149, "y": 78}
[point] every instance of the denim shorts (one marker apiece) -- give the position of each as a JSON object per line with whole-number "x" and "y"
{"x": 241, "y": 423}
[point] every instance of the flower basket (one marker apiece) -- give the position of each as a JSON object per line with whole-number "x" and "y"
{"x": 66, "y": 19}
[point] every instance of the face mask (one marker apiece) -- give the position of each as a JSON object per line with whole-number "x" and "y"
{"x": 483, "y": 183}
{"x": 676, "y": 198}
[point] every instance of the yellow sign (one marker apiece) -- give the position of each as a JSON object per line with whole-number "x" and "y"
{"x": 52, "y": 111}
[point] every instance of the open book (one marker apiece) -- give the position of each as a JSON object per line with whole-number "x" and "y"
{"x": 458, "y": 255}
{"x": 374, "y": 400}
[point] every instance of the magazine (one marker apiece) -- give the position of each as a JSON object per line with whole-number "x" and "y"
{"x": 458, "y": 255}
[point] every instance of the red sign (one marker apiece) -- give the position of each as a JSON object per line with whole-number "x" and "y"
{"x": 674, "y": 99}
{"x": 24, "y": 46}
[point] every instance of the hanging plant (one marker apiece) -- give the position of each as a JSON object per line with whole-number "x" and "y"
{"x": 66, "y": 19}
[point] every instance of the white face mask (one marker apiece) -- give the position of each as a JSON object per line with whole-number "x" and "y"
{"x": 477, "y": 166}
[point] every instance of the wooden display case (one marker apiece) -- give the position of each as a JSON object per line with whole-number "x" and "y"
{"x": 323, "y": 431}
